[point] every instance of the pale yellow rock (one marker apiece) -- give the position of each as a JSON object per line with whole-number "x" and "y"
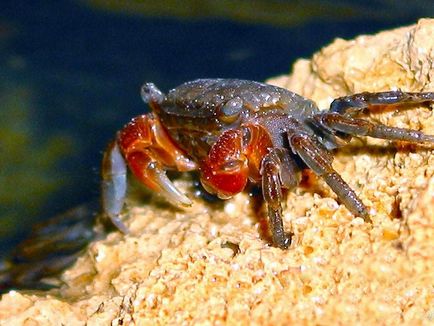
{"x": 184, "y": 267}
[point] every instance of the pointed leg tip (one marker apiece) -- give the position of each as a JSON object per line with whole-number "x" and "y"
{"x": 117, "y": 222}
{"x": 283, "y": 243}
{"x": 185, "y": 201}
{"x": 365, "y": 216}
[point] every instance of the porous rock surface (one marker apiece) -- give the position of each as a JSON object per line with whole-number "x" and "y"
{"x": 211, "y": 264}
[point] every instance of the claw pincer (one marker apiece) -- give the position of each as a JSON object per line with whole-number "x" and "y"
{"x": 238, "y": 131}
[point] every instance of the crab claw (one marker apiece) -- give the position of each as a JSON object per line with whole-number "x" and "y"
{"x": 166, "y": 187}
{"x": 149, "y": 151}
{"x": 151, "y": 174}
{"x": 225, "y": 171}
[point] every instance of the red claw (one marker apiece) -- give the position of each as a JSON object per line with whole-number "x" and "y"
{"x": 225, "y": 171}
{"x": 149, "y": 151}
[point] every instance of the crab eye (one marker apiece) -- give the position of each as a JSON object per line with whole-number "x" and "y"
{"x": 150, "y": 93}
{"x": 231, "y": 110}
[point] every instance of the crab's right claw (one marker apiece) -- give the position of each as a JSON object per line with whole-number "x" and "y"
{"x": 114, "y": 185}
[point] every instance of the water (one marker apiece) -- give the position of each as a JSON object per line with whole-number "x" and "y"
{"x": 71, "y": 74}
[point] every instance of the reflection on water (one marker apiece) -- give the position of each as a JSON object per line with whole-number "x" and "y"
{"x": 29, "y": 172}
{"x": 71, "y": 74}
{"x": 271, "y": 12}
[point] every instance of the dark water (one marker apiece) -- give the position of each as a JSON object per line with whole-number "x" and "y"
{"x": 71, "y": 73}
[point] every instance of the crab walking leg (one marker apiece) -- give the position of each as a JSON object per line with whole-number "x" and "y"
{"x": 360, "y": 127}
{"x": 114, "y": 184}
{"x": 272, "y": 192}
{"x": 353, "y": 104}
{"x": 320, "y": 161}
{"x": 289, "y": 173}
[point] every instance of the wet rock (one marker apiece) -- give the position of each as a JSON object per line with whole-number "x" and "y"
{"x": 176, "y": 266}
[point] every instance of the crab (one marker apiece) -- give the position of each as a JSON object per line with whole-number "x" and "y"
{"x": 238, "y": 131}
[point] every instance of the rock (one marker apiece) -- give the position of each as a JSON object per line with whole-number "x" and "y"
{"x": 212, "y": 264}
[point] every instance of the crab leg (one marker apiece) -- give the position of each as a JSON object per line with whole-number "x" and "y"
{"x": 360, "y": 127}
{"x": 320, "y": 160}
{"x": 272, "y": 192}
{"x": 353, "y": 104}
{"x": 114, "y": 184}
